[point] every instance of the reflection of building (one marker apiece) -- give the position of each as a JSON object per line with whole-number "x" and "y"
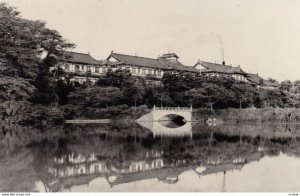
{"x": 72, "y": 165}
{"x": 75, "y": 170}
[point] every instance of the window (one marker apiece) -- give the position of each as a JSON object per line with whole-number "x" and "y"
{"x": 96, "y": 168}
{"x": 88, "y": 68}
{"x": 67, "y": 67}
{"x": 133, "y": 167}
{"x": 159, "y": 73}
{"x": 77, "y": 67}
{"x": 144, "y": 71}
{"x": 97, "y": 69}
{"x": 104, "y": 69}
{"x": 82, "y": 67}
{"x": 134, "y": 70}
{"x": 139, "y": 70}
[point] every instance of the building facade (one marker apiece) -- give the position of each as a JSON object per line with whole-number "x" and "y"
{"x": 80, "y": 67}
{"x": 217, "y": 70}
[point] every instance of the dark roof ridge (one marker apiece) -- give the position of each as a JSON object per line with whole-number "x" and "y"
{"x": 218, "y": 64}
{"x": 135, "y": 56}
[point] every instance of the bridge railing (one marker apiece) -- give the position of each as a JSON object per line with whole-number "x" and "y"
{"x": 172, "y": 108}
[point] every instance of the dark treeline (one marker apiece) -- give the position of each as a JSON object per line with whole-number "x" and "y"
{"x": 27, "y": 51}
{"x": 118, "y": 91}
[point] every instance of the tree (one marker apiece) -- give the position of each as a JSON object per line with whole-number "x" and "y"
{"x": 272, "y": 98}
{"x": 23, "y": 42}
{"x": 63, "y": 88}
{"x": 196, "y": 97}
{"x": 286, "y": 85}
{"x": 243, "y": 93}
{"x": 115, "y": 78}
{"x": 22, "y": 45}
{"x": 296, "y": 85}
{"x": 213, "y": 94}
{"x": 133, "y": 89}
{"x": 95, "y": 96}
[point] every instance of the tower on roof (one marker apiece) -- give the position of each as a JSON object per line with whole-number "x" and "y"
{"x": 170, "y": 56}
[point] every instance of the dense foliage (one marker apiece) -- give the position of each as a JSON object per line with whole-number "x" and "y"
{"x": 118, "y": 90}
{"x": 27, "y": 50}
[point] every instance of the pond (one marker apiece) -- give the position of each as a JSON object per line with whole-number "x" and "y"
{"x": 144, "y": 157}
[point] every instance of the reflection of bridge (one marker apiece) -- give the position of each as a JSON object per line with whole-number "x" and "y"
{"x": 159, "y": 130}
{"x": 158, "y": 113}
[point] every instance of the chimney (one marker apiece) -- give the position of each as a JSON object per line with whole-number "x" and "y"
{"x": 223, "y": 62}
{"x": 112, "y": 52}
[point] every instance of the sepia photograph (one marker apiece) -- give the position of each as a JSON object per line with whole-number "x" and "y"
{"x": 144, "y": 96}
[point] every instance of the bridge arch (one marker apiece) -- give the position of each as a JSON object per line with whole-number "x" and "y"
{"x": 159, "y": 112}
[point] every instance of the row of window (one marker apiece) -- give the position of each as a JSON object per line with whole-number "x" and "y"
{"x": 135, "y": 70}
{"x": 235, "y": 76}
{"x": 143, "y": 71}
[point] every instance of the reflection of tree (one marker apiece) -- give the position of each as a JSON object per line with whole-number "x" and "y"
{"x": 118, "y": 150}
{"x": 17, "y": 173}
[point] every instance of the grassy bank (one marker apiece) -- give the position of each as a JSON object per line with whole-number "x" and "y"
{"x": 122, "y": 112}
{"x": 251, "y": 115}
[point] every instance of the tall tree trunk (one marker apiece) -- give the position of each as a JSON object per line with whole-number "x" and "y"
{"x": 211, "y": 106}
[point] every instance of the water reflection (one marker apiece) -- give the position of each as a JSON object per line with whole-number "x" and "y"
{"x": 117, "y": 157}
{"x": 172, "y": 121}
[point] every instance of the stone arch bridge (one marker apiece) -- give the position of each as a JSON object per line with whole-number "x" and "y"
{"x": 158, "y": 113}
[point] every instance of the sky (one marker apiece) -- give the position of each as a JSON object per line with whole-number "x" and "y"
{"x": 262, "y": 36}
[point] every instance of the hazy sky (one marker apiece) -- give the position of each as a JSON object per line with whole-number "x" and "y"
{"x": 263, "y": 36}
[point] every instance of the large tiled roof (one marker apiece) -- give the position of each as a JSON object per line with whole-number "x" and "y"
{"x": 219, "y": 68}
{"x": 162, "y": 62}
{"x": 138, "y": 61}
{"x": 107, "y": 62}
{"x": 161, "y": 174}
{"x": 221, "y": 168}
{"x": 174, "y": 64}
{"x": 81, "y": 58}
{"x": 254, "y": 78}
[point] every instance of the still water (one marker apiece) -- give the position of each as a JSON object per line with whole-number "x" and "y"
{"x": 150, "y": 157}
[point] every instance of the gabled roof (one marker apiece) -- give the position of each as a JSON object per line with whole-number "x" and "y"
{"x": 161, "y": 173}
{"x": 254, "y": 78}
{"x": 138, "y": 61}
{"x": 107, "y": 62}
{"x": 162, "y": 62}
{"x": 221, "y": 168}
{"x": 220, "y": 68}
{"x": 76, "y": 57}
{"x": 175, "y": 64}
